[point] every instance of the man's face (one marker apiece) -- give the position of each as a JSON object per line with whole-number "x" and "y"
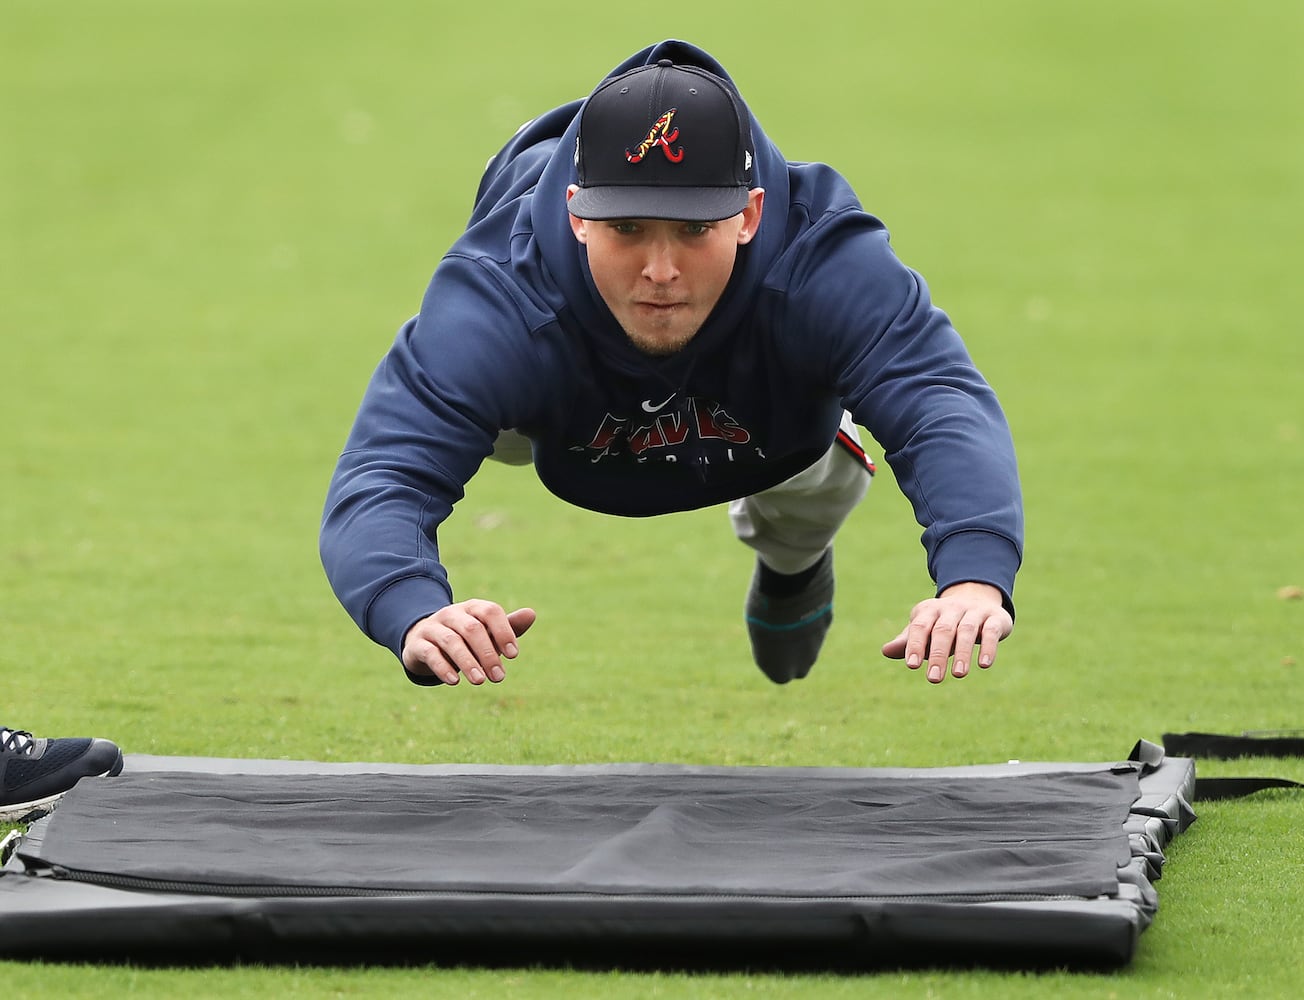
{"x": 661, "y": 279}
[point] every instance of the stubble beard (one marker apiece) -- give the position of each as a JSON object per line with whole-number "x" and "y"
{"x": 662, "y": 346}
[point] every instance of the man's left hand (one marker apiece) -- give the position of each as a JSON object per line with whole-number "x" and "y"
{"x": 964, "y": 617}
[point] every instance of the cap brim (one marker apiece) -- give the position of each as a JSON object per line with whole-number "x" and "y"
{"x": 679, "y": 204}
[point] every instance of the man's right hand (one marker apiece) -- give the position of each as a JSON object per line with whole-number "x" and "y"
{"x": 465, "y": 639}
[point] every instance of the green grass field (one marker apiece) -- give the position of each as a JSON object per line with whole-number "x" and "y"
{"x": 216, "y": 214}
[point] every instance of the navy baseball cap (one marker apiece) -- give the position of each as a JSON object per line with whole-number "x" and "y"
{"x": 663, "y": 142}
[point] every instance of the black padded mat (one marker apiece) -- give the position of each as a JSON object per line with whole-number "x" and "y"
{"x": 1026, "y": 862}
{"x": 757, "y": 834}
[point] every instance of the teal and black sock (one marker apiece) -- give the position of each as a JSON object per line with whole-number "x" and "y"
{"x": 787, "y": 617}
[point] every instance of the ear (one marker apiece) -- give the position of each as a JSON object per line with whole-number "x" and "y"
{"x": 577, "y": 224}
{"x": 752, "y": 215}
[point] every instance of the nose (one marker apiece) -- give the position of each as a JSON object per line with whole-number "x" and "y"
{"x": 659, "y": 265}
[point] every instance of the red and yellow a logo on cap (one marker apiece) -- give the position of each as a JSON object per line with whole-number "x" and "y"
{"x": 660, "y": 134}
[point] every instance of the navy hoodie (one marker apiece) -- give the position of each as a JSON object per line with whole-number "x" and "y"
{"x": 819, "y": 316}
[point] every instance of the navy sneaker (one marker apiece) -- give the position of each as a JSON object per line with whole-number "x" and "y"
{"x": 787, "y": 632}
{"x": 35, "y": 772}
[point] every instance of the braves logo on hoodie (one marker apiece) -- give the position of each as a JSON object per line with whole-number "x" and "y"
{"x": 665, "y": 434}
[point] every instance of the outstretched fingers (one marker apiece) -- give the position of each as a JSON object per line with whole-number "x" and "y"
{"x": 967, "y": 619}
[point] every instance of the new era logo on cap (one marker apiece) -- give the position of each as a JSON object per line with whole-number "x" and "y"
{"x": 663, "y": 142}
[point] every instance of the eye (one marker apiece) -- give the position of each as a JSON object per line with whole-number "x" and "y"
{"x": 697, "y": 228}
{"x": 625, "y": 227}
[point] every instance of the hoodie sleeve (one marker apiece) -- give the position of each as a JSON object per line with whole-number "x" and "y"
{"x": 456, "y": 374}
{"x": 903, "y": 372}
